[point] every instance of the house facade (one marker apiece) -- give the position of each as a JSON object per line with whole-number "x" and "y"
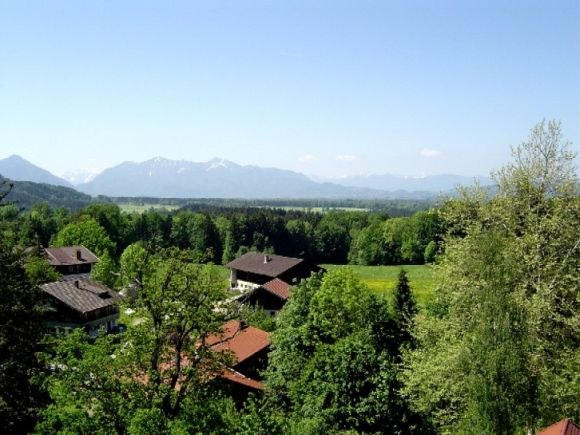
{"x": 255, "y": 269}
{"x": 80, "y": 303}
{"x": 75, "y": 300}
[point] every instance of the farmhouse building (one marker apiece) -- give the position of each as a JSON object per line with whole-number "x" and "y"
{"x": 71, "y": 259}
{"x": 75, "y": 300}
{"x": 247, "y": 344}
{"x": 80, "y": 303}
{"x": 255, "y": 269}
{"x": 271, "y": 296}
{"x": 249, "y": 350}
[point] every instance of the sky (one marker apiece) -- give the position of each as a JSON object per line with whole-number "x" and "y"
{"x": 327, "y": 88}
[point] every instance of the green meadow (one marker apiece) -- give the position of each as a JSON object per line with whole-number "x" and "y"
{"x": 128, "y": 207}
{"x": 383, "y": 279}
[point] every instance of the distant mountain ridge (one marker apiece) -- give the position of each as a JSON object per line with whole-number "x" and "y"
{"x": 220, "y": 178}
{"x": 18, "y": 169}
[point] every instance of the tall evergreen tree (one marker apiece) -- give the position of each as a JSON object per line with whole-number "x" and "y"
{"x": 20, "y": 334}
{"x": 404, "y": 309}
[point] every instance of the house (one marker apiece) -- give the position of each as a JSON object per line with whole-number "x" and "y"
{"x": 71, "y": 259}
{"x": 80, "y": 303}
{"x": 270, "y": 296}
{"x": 563, "y": 427}
{"x": 254, "y": 269}
{"x": 248, "y": 347}
{"x": 75, "y": 300}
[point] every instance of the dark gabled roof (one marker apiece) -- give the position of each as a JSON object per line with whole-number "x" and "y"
{"x": 563, "y": 427}
{"x": 70, "y": 256}
{"x": 264, "y": 264}
{"x": 278, "y": 288}
{"x": 82, "y": 295}
{"x": 242, "y": 341}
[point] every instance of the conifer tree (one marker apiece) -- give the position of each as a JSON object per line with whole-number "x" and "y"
{"x": 20, "y": 333}
{"x": 404, "y": 309}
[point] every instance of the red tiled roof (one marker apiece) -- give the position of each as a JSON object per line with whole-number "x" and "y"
{"x": 264, "y": 264}
{"x": 233, "y": 376}
{"x": 70, "y": 255}
{"x": 243, "y": 342}
{"x": 279, "y": 288}
{"x": 563, "y": 427}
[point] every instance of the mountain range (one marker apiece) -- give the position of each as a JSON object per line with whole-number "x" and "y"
{"x": 219, "y": 178}
{"x": 18, "y": 169}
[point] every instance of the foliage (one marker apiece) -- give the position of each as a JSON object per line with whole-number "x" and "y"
{"x": 38, "y": 225}
{"x": 20, "y": 331}
{"x": 497, "y": 349}
{"x": 85, "y": 231}
{"x": 258, "y": 317}
{"x": 105, "y": 271}
{"x": 218, "y": 233}
{"x": 39, "y": 271}
{"x": 108, "y": 216}
{"x": 197, "y": 232}
{"x": 330, "y": 375}
{"x": 404, "y": 310}
{"x": 27, "y": 193}
{"x": 157, "y": 375}
{"x": 132, "y": 260}
{"x": 430, "y": 252}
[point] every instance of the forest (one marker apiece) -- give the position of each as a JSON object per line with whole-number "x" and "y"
{"x": 495, "y": 350}
{"x": 218, "y": 233}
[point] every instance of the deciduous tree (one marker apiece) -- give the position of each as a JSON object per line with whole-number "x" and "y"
{"x": 498, "y": 348}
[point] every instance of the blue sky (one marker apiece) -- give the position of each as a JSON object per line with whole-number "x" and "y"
{"x": 329, "y": 88}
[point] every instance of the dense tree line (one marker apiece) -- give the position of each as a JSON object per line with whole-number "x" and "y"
{"x": 394, "y": 207}
{"x": 219, "y": 234}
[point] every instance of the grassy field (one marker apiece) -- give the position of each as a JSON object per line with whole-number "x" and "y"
{"x": 383, "y": 279}
{"x": 140, "y": 208}
{"x": 313, "y": 209}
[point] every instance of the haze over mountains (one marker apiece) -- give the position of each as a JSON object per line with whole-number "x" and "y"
{"x": 220, "y": 178}
{"x": 432, "y": 183}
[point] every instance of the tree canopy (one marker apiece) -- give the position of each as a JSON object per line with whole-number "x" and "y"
{"x": 498, "y": 349}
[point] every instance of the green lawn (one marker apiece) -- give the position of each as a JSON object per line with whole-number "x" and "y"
{"x": 128, "y": 207}
{"x": 383, "y": 279}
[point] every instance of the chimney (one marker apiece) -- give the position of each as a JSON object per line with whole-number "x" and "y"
{"x": 79, "y": 256}
{"x": 243, "y": 324}
{"x": 266, "y": 259}
{"x": 77, "y": 284}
